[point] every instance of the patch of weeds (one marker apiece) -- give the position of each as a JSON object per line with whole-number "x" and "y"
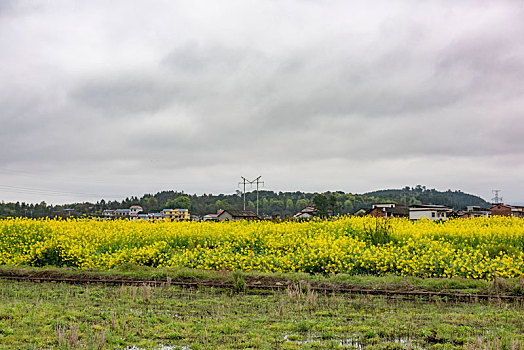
{"x": 392, "y": 346}
{"x": 499, "y": 285}
{"x": 4, "y": 330}
{"x": 239, "y": 282}
{"x": 293, "y": 337}
{"x": 304, "y": 326}
{"x": 130, "y": 267}
{"x": 501, "y": 249}
{"x": 434, "y": 338}
{"x": 378, "y": 234}
{"x": 173, "y": 336}
{"x": 327, "y": 335}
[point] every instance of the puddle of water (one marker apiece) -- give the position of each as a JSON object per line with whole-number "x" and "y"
{"x": 316, "y": 339}
{"x": 349, "y": 342}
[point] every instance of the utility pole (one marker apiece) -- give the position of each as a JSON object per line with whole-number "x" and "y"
{"x": 244, "y": 181}
{"x": 257, "y": 181}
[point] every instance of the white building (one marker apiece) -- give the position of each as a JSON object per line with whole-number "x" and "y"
{"x": 306, "y": 213}
{"x": 428, "y": 211}
{"x": 150, "y": 216}
{"x": 108, "y": 213}
{"x": 134, "y": 210}
{"x": 303, "y": 215}
{"x": 474, "y": 211}
{"x": 122, "y": 213}
{"x": 210, "y": 217}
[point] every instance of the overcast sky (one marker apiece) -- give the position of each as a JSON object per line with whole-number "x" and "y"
{"x": 108, "y": 99}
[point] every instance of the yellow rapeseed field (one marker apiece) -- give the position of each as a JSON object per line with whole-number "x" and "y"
{"x": 471, "y": 248}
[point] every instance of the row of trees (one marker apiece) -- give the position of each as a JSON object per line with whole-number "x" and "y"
{"x": 270, "y": 203}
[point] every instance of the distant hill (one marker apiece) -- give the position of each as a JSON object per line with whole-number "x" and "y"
{"x": 421, "y": 195}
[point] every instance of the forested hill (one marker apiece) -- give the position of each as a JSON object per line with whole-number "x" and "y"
{"x": 422, "y": 195}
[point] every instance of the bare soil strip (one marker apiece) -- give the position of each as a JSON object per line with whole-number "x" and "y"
{"x": 251, "y": 284}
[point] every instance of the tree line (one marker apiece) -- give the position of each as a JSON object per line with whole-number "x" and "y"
{"x": 269, "y": 203}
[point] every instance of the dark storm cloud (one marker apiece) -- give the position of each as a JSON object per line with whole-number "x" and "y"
{"x": 180, "y": 92}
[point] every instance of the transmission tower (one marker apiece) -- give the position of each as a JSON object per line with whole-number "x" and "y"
{"x": 496, "y": 198}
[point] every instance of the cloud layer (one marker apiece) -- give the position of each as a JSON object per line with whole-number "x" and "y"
{"x": 119, "y": 99}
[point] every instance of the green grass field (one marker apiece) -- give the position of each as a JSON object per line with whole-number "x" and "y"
{"x": 67, "y": 316}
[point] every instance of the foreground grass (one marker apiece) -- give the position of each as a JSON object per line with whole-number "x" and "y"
{"x": 50, "y": 315}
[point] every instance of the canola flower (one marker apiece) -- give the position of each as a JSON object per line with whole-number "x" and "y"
{"x": 471, "y": 248}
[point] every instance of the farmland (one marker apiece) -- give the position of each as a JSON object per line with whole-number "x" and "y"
{"x": 468, "y": 248}
{"x": 351, "y": 283}
{"x": 51, "y": 315}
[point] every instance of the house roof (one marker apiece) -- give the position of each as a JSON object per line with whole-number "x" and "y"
{"x": 430, "y": 206}
{"x": 399, "y": 210}
{"x": 505, "y": 206}
{"x": 298, "y": 215}
{"x": 239, "y": 213}
{"x": 360, "y": 210}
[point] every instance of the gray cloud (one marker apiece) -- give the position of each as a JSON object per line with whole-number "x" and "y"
{"x": 312, "y": 95}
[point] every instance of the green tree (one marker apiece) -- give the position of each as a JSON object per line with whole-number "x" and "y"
{"x": 265, "y": 204}
{"x": 222, "y": 204}
{"x": 301, "y": 203}
{"x": 333, "y": 205}
{"x": 321, "y": 203}
{"x": 150, "y": 204}
{"x": 182, "y": 202}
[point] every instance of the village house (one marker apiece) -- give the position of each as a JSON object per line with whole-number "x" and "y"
{"x": 388, "y": 210}
{"x": 134, "y": 210}
{"x": 360, "y": 212}
{"x": 108, "y": 213}
{"x": 306, "y": 213}
{"x": 122, "y": 213}
{"x": 176, "y": 214}
{"x": 231, "y": 214}
{"x": 474, "y": 211}
{"x": 210, "y": 217}
{"x": 150, "y": 216}
{"x": 500, "y": 209}
{"x": 429, "y": 211}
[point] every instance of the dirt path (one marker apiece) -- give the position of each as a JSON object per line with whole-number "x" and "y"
{"x": 248, "y": 284}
